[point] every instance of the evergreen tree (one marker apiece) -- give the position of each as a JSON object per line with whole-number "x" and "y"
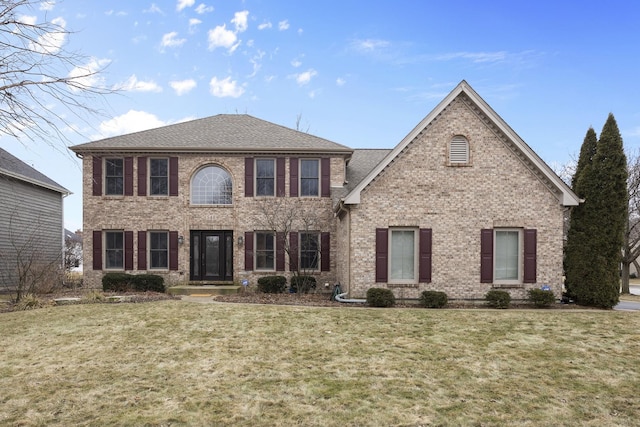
{"x": 597, "y": 227}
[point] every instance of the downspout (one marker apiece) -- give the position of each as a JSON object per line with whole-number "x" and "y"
{"x": 340, "y": 298}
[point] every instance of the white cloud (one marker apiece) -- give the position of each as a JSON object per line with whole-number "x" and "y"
{"x": 134, "y": 85}
{"x": 193, "y": 23}
{"x": 154, "y": 8}
{"x": 184, "y": 3}
{"x": 477, "y": 57}
{"x": 225, "y": 88}
{"x": 47, "y": 5}
{"x": 51, "y": 43}
{"x": 256, "y": 61}
{"x": 240, "y": 20}
{"x": 29, "y": 20}
{"x": 131, "y": 121}
{"x": 283, "y": 25}
{"x": 203, "y": 8}
{"x": 171, "y": 40}
{"x": 86, "y": 75}
{"x": 296, "y": 63}
{"x": 182, "y": 87}
{"x": 265, "y": 26}
{"x": 304, "y": 78}
{"x": 314, "y": 93}
{"x": 221, "y": 37}
{"x": 369, "y": 45}
{"x": 340, "y": 81}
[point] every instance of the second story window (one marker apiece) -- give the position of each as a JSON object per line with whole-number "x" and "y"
{"x": 309, "y": 177}
{"x": 265, "y": 177}
{"x": 211, "y": 185}
{"x": 114, "y": 177}
{"x": 159, "y": 177}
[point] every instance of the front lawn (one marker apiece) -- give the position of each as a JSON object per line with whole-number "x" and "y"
{"x": 179, "y": 363}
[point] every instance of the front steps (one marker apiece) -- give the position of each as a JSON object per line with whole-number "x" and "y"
{"x": 203, "y": 290}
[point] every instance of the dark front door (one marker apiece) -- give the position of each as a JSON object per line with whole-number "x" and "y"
{"x": 212, "y": 255}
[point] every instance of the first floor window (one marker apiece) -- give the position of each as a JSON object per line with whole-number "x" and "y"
{"x": 159, "y": 177}
{"x": 114, "y": 249}
{"x": 507, "y": 255}
{"x": 309, "y": 251}
{"x": 265, "y": 251}
{"x": 159, "y": 249}
{"x": 114, "y": 177}
{"x": 402, "y": 255}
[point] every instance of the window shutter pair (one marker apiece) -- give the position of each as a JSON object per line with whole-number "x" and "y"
{"x": 325, "y": 243}
{"x": 529, "y": 257}
{"x": 128, "y": 250}
{"x": 248, "y": 251}
{"x": 425, "y": 245}
{"x": 325, "y": 177}
{"x": 249, "y": 176}
{"x": 142, "y": 176}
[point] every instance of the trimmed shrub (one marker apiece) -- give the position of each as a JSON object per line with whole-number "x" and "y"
{"x": 541, "y": 298}
{"x": 380, "y": 297}
{"x": 116, "y": 282}
{"x": 498, "y": 299}
{"x": 302, "y": 284}
{"x": 148, "y": 283}
{"x": 433, "y": 299}
{"x": 272, "y": 284}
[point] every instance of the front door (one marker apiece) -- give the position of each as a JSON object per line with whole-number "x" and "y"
{"x": 211, "y": 255}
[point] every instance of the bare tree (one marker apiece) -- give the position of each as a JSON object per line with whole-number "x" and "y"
{"x": 283, "y": 215}
{"x": 42, "y": 84}
{"x": 631, "y": 248}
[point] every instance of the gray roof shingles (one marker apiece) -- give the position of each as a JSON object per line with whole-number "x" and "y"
{"x": 14, "y": 167}
{"x": 220, "y": 133}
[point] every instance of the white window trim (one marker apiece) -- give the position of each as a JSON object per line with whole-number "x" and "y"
{"x": 255, "y": 177}
{"x": 519, "y": 280}
{"x": 319, "y": 177}
{"x": 149, "y": 248}
{"x": 416, "y": 258}
{"x": 459, "y": 151}
{"x": 149, "y": 176}
{"x": 255, "y": 250}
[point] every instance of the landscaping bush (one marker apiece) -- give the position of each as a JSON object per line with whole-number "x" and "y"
{"x": 498, "y": 299}
{"x": 148, "y": 282}
{"x": 380, "y": 297}
{"x": 272, "y": 284}
{"x": 541, "y": 298}
{"x": 302, "y": 284}
{"x": 116, "y": 282}
{"x": 433, "y": 299}
{"x": 123, "y": 282}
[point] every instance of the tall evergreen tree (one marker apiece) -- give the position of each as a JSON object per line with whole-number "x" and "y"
{"x": 593, "y": 252}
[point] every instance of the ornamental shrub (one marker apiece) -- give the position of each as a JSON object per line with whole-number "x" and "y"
{"x": 116, "y": 282}
{"x": 498, "y": 299}
{"x": 302, "y": 284}
{"x": 541, "y": 298}
{"x": 148, "y": 283}
{"x": 433, "y": 299}
{"x": 272, "y": 284}
{"x": 123, "y": 282}
{"x": 380, "y": 297}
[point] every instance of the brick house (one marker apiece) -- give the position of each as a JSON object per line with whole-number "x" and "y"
{"x": 461, "y": 205}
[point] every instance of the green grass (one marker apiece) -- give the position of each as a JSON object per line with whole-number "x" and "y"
{"x": 178, "y": 363}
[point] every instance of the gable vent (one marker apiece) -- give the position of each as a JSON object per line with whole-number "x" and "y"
{"x": 459, "y": 150}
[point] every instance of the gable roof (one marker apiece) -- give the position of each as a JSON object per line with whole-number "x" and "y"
{"x": 231, "y": 133}
{"x": 15, "y": 168}
{"x": 562, "y": 191}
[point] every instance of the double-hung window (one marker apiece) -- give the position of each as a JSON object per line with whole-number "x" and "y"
{"x": 114, "y": 177}
{"x": 309, "y": 177}
{"x": 114, "y": 249}
{"x": 159, "y": 249}
{"x": 309, "y": 250}
{"x": 507, "y": 255}
{"x": 403, "y": 255}
{"x": 265, "y": 251}
{"x": 159, "y": 177}
{"x": 265, "y": 177}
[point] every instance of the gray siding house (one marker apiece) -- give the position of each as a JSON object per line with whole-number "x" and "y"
{"x": 461, "y": 205}
{"x": 31, "y": 220}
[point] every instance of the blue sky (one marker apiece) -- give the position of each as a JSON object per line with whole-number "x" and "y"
{"x": 359, "y": 73}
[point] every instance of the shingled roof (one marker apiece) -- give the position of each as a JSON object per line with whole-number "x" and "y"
{"x": 231, "y": 133}
{"x": 15, "y": 168}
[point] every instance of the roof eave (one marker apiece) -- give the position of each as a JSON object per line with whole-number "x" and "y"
{"x": 32, "y": 181}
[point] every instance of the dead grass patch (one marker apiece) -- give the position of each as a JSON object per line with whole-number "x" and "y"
{"x": 179, "y": 363}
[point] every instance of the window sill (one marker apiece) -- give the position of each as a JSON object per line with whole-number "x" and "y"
{"x": 403, "y": 285}
{"x": 507, "y": 286}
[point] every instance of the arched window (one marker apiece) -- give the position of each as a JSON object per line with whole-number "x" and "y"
{"x": 211, "y": 185}
{"x": 459, "y": 150}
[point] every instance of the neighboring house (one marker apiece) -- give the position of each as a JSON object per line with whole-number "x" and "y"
{"x": 73, "y": 251}
{"x": 461, "y": 205}
{"x": 31, "y": 220}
